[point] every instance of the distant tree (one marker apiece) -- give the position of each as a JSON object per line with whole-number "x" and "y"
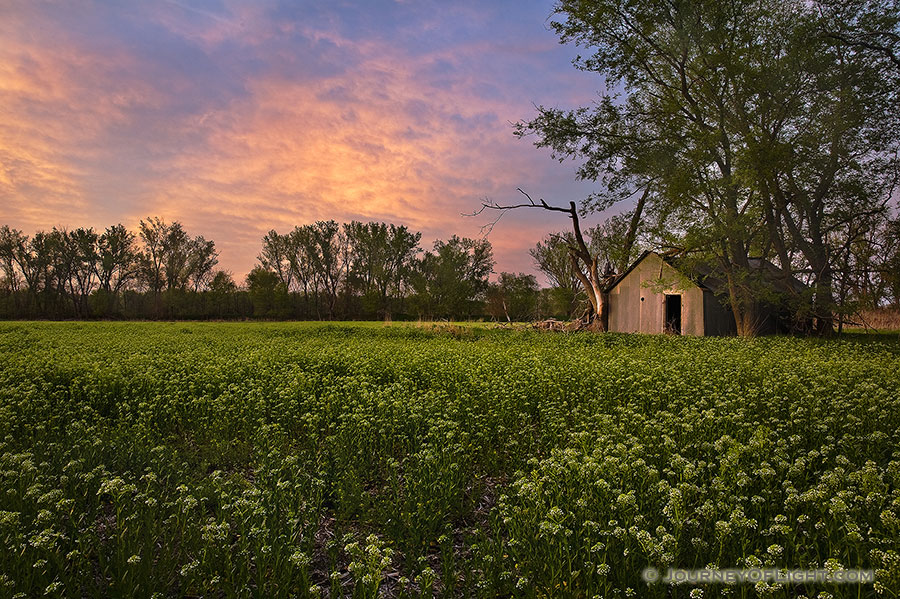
{"x": 176, "y": 247}
{"x": 551, "y": 256}
{"x": 152, "y": 260}
{"x": 381, "y": 256}
{"x": 11, "y": 240}
{"x": 222, "y": 292}
{"x": 203, "y": 258}
{"x": 222, "y": 282}
{"x": 80, "y": 247}
{"x": 451, "y": 281}
{"x": 514, "y": 297}
{"x": 35, "y": 259}
{"x": 300, "y": 249}
{"x": 267, "y": 293}
{"x": 60, "y": 262}
{"x": 116, "y": 268}
{"x": 369, "y": 256}
{"x": 117, "y": 258}
{"x": 328, "y": 250}
{"x": 404, "y": 248}
{"x": 276, "y": 255}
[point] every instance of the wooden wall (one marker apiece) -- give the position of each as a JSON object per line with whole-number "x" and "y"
{"x": 637, "y": 302}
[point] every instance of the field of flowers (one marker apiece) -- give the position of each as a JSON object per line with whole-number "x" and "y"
{"x": 310, "y": 460}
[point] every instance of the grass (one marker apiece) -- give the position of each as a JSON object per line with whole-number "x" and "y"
{"x": 364, "y": 460}
{"x": 882, "y": 320}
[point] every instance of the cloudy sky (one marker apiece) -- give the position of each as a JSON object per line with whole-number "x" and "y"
{"x": 236, "y": 117}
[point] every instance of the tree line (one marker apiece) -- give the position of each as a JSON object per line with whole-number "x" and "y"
{"x": 83, "y": 273}
{"x": 866, "y": 271}
{"x": 323, "y": 271}
{"x": 738, "y": 130}
{"x": 328, "y": 270}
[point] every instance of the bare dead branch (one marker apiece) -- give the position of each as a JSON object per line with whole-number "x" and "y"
{"x": 579, "y": 253}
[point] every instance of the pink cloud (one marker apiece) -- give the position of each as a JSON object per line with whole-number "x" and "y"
{"x": 385, "y": 133}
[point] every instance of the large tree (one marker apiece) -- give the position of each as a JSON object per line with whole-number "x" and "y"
{"x": 451, "y": 280}
{"x": 589, "y": 260}
{"x": 381, "y": 257}
{"x": 747, "y": 124}
{"x": 818, "y": 118}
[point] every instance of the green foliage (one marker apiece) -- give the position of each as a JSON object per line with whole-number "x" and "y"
{"x": 753, "y": 127}
{"x": 514, "y": 297}
{"x": 268, "y": 294}
{"x": 298, "y": 460}
{"x": 452, "y": 280}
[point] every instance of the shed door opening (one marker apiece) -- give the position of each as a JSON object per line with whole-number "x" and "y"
{"x": 673, "y": 314}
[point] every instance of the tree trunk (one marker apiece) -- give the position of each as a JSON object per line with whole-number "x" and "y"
{"x": 603, "y": 312}
{"x": 746, "y": 310}
{"x": 743, "y": 300}
{"x": 823, "y": 303}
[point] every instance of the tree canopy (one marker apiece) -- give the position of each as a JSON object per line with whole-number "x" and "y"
{"x": 751, "y": 128}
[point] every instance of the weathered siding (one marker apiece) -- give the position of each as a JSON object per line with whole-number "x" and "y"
{"x": 651, "y": 279}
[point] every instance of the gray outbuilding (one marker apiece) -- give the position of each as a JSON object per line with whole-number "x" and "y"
{"x": 652, "y": 296}
{"x": 657, "y": 294}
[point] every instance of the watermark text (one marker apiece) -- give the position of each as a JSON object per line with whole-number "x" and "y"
{"x": 754, "y": 575}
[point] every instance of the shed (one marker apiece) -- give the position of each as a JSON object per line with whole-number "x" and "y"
{"x": 655, "y": 295}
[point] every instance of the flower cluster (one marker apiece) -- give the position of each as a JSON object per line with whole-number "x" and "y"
{"x": 302, "y": 460}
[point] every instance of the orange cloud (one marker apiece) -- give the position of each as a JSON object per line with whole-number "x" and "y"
{"x": 56, "y": 102}
{"x": 94, "y": 132}
{"x": 372, "y": 143}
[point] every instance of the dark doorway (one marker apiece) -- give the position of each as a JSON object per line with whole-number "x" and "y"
{"x": 673, "y": 314}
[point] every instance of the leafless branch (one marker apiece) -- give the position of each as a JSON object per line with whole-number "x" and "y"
{"x": 488, "y": 204}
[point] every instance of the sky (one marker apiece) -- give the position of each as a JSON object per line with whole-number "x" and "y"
{"x": 237, "y": 117}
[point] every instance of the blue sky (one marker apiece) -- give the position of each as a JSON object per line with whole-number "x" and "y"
{"x": 239, "y": 117}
